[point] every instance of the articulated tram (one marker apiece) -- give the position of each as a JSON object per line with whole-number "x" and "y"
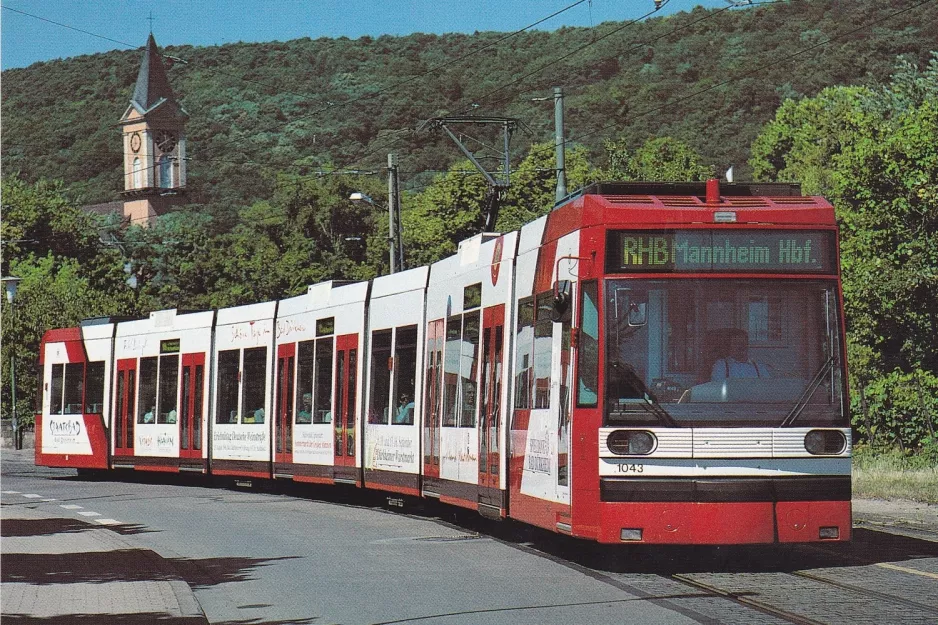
{"x": 648, "y": 363}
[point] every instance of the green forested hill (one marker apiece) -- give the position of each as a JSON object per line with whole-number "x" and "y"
{"x": 297, "y": 106}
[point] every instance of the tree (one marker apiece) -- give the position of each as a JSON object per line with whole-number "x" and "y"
{"x": 874, "y": 153}
{"x": 658, "y": 159}
{"x": 67, "y": 274}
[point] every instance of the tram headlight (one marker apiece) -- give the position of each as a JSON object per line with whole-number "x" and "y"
{"x": 631, "y": 442}
{"x": 825, "y": 442}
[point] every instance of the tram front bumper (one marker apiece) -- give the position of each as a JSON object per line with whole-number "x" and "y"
{"x": 725, "y": 512}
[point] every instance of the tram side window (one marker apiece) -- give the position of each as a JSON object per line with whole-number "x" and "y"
{"x": 588, "y": 348}
{"x": 380, "y": 377}
{"x": 543, "y": 339}
{"x": 169, "y": 387}
{"x": 468, "y": 370}
{"x": 94, "y": 388}
{"x": 74, "y": 387}
{"x": 405, "y": 374}
{"x": 55, "y": 389}
{"x": 228, "y": 368}
{"x": 524, "y": 342}
{"x": 451, "y": 356}
{"x": 146, "y": 397}
{"x": 253, "y": 384}
{"x": 304, "y": 382}
{"x": 322, "y": 395}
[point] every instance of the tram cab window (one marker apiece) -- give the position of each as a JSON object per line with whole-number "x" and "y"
{"x": 722, "y": 351}
{"x": 66, "y": 388}
{"x": 588, "y": 348}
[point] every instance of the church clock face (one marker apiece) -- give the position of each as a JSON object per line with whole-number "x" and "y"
{"x": 135, "y": 142}
{"x": 165, "y": 141}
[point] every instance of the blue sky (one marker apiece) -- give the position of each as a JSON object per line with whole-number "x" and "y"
{"x": 26, "y": 40}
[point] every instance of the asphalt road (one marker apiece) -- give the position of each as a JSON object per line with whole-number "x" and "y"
{"x": 328, "y": 556}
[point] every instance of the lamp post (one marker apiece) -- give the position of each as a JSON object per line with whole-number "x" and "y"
{"x": 9, "y": 284}
{"x": 392, "y": 247}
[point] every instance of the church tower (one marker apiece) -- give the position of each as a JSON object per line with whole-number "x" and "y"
{"x": 154, "y": 143}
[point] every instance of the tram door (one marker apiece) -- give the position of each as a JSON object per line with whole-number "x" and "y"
{"x": 124, "y": 401}
{"x": 493, "y": 335}
{"x": 431, "y": 412}
{"x": 283, "y": 434}
{"x": 346, "y": 386}
{"x": 190, "y": 413}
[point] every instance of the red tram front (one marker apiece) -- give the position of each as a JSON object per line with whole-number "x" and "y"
{"x": 679, "y": 371}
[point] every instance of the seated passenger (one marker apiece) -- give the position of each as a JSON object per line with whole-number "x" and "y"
{"x": 736, "y": 362}
{"x": 305, "y": 415}
{"x": 405, "y": 411}
{"x": 150, "y": 417}
{"x": 259, "y": 415}
{"x": 171, "y": 417}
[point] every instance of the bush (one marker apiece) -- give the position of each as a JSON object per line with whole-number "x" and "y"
{"x": 898, "y": 410}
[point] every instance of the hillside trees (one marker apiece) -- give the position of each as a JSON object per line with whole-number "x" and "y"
{"x": 874, "y": 153}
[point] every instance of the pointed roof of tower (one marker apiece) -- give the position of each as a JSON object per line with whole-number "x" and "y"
{"x": 152, "y": 89}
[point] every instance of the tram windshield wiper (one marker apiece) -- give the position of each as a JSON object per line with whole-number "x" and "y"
{"x": 630, "y": 392}
{"x": 808, "y": 393}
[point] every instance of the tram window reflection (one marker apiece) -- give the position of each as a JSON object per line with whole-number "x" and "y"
{"x": 253, "y": 384}
{"x": 708, "y": 350}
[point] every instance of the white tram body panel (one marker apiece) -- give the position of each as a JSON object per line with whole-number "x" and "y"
{"x": 314, "y": 320}
{"x": 242, "y": 385}
{"x": 157, "y": 344}
{"x": 392, "y": 413}
{"x": 470, "y": 292}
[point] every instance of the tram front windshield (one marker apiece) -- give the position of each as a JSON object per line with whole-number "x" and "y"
{"x": 723, "y": 352}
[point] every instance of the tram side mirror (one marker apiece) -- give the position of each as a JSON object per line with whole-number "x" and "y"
{"x": 562, "y": 296}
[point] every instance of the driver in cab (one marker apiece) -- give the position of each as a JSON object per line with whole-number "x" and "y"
{"x": 736, "y": 362}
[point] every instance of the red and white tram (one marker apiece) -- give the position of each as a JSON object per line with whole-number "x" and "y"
{"x": 648, "y": 363}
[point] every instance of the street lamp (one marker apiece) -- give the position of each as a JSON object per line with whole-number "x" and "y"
{"x": 9, "y": 284}
{"x": 358, "y": 196}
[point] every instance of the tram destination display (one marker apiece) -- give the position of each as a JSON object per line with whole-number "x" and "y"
{"x": 702, "y": 251}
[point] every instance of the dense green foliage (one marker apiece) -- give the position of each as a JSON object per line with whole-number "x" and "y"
{"x": 258, "y": 110}
{"x": 874, "y": 153}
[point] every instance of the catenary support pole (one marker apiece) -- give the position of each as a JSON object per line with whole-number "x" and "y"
{"x": 559, "y": 145}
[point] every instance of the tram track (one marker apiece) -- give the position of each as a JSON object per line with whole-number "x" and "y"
{"x": 749, "y": 602}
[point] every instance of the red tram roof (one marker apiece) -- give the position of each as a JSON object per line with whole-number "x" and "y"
{"x": 668, "y": 205}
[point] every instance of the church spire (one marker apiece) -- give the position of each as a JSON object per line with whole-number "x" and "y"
{"x": 152, "y": 89}
{"x": 154, "y": 143}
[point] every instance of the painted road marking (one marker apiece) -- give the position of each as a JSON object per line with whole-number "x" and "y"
{"x": 904, "y": 569}
{"x": 107, "y": 521}
{"x": 33, "y": 496}
{"x": 89, "y": 513}
{"x": 11, "y": 492}
{"x": 71, "y": 506}
{"x": 50, "y": 499}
